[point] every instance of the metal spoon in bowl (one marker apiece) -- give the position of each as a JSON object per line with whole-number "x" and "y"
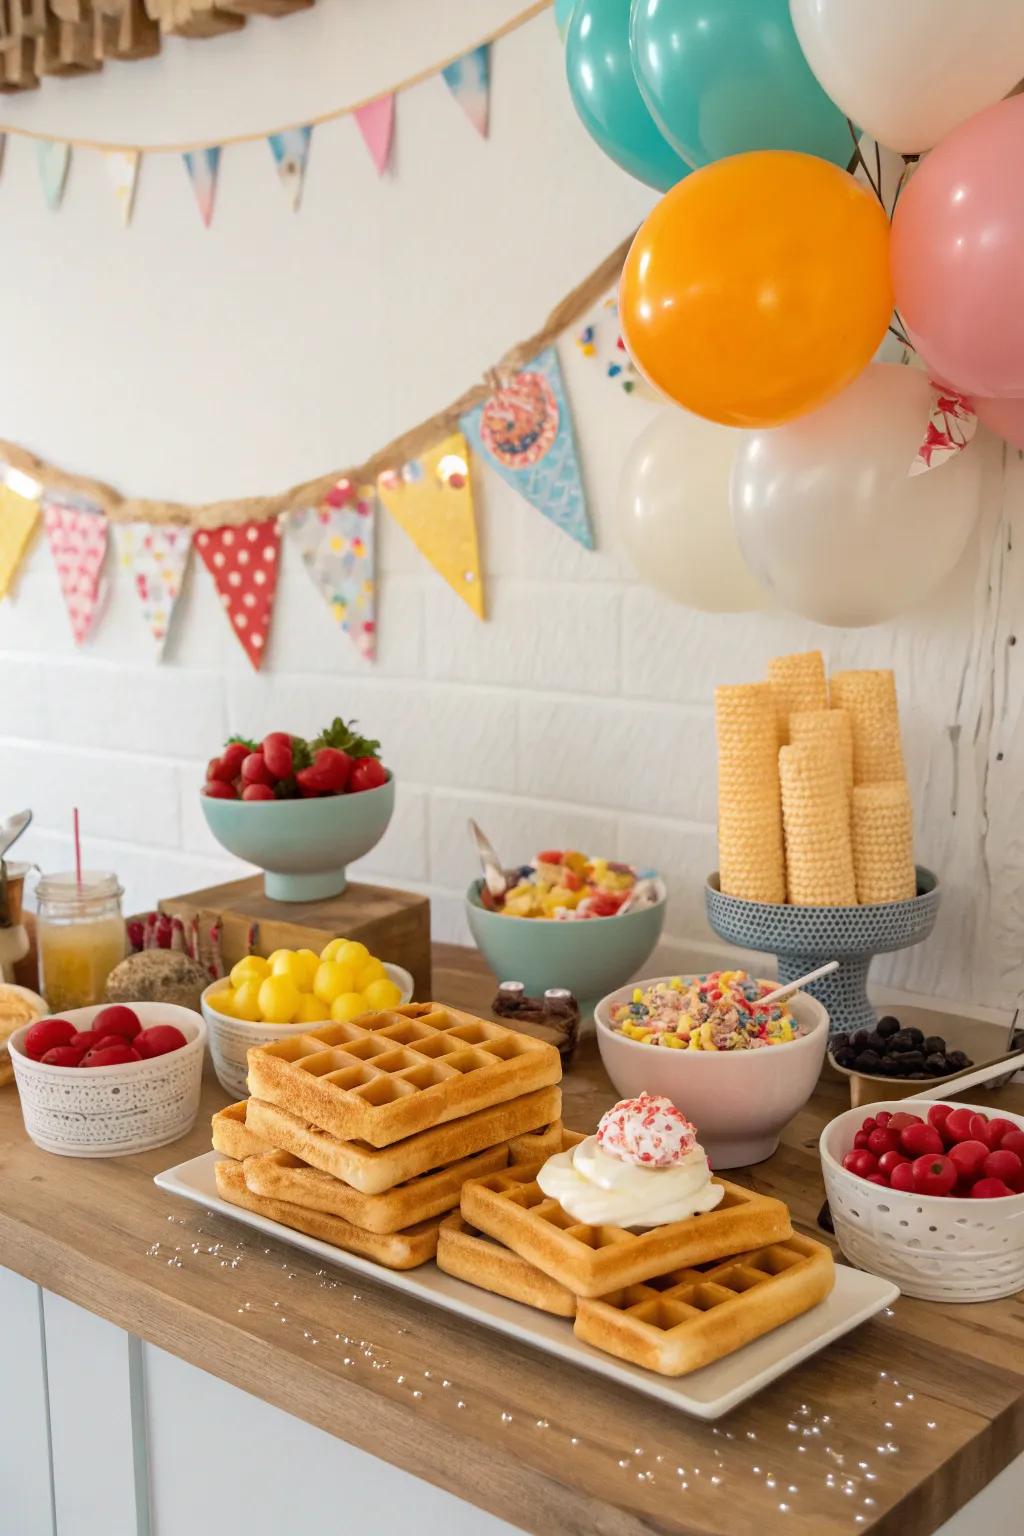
{"x": 792, "y": 987}
{"x": 495, "y": 878}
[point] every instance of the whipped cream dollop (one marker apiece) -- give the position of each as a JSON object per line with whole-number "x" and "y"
{"x": 644, "y": 1167}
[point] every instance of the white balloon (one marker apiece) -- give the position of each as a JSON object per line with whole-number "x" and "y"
{"x": 907, "y": 71}
{"x": 673, "y": 514}
{"x": 827, "y": 515}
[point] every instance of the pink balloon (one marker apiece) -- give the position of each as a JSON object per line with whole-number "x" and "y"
{"x": 957, "y": 263}
{"x": 1003, "y": 417}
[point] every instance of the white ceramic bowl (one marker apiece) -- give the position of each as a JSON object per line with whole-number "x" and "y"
{"x": 738, "y": 1100}
{"x": 111, "y": 1111}
{"x": 230, "y": 1039}
{"x": 936, "y": 1247}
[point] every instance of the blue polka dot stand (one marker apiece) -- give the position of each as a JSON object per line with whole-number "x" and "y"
{"x": 805, "y": 937}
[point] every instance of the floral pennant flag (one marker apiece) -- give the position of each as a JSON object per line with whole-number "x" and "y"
{"x": 290, "y": 150}
{"x": 951, "y": 426}
{"x": 432, "y": 499}
{"x": 202, "y": 166}
{"x": 123, "y": 170}
{"x": 243, "y": 562}
{"x": 53, "y": 159}
{"x": 376, "y": 123}
{"x": 525, "y": 432}
{"x": 77, "y": 533}
{"x": 18, "y": 518}
{"x": 154, "y": 555}
{"x": 469, "y": 80}
{"x": 336, "y": 541}
{"x": 601, "y": 339}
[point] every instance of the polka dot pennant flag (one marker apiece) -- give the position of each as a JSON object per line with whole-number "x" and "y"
{"x": 77, "y": 534}
{"x": 154, "y": 556}
{"x": 432, "y": 499}
{"x": 336, "y": 542}
{"x": 243, "y": 562}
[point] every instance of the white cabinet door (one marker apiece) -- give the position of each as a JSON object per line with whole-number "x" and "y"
{"x": 27, "y": 1500}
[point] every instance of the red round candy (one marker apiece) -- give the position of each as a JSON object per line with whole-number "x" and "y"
{"x": 870, "y": 1124}
{"x": 117, "y": 1020}
{"x": 918, "y": 1140}
{"x": 990, "y": 1189}
{"x": 158, "y": 1039}
{"x": 61, "y": 1056}
{"x": 967, "y": 1157}
{"x": 1013, "y": 1141}
{"x": 861, "y": 1139}
{"x": 958, "y": 1125}
{"x": 938, "y": 1115}
{"x": 860, "y": 1162}
{"x": 902, "y": 1177}
{"x": 994, "y": 1130}
{"x": 902, "y": 1119}
{"x": 878, "y": 1178}
{"x": 1001, "y": 1164}
{"x": 85, "y": 1039}
{"x": 890, "y": 1160}
{"x": 882, "y": 1118}
{"x": 44, "y": 1035}
{"x": 934, "y": 1174}
{"x": 116, "y": 1055}
{"x": 883, "y": 1140}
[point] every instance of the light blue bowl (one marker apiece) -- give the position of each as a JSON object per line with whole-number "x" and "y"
{"x": 302, "y": 846}
{"x": 590, "y": 958}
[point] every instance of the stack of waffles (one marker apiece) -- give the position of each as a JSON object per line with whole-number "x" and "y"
{"x": 671, "y": 1299}
{"x": 362, "y": 1134}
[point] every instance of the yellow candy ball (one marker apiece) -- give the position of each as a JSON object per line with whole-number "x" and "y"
{"x": 352, "y": 953}
{"x": 279, "y": 1000}
{"x": 299, "y": 965}
{"x": 312, "y": 1010}
{"x": 330, "y": 949}
{"x": 247, "y": 1000}
{"x": 383, "y": 994}
{"x": 222, "y": 1002}
{"x": 332, "y": 979}
{"x": 348, "y": 1005}
{"x": 275, "y": 956}
{"x": 251, "y": 968}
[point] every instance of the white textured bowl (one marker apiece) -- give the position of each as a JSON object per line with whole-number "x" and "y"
{"x": 230, "y": 1039}
{"x": 738, "y": 1100}
{"x": 939, "y": 1248}
{"x": 111, "y": 1111}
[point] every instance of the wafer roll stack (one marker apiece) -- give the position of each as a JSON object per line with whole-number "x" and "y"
{"x": 828, "y": 728}
{"x": 883, "y": 843}
{"x": 869, "y": 698}
{"x": 797, "y": 683}
{"x": 815, "y": 813}
{"x": 750, "y": 857}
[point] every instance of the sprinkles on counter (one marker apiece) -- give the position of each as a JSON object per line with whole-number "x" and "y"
{"x": 717, "y": 1012}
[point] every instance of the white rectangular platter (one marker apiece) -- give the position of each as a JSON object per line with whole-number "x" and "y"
{"x": 705, "y": 1394}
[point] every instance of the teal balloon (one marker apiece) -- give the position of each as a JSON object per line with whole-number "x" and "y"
{"x": 606, "y": 96}
{"x": 563, "y": 16}
{"x": 725, "y": 76}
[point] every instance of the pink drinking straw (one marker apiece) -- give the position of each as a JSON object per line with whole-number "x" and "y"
{"x": 78, "y": 849}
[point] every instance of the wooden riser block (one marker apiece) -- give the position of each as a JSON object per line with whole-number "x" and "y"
{"x": 394, "y": 925}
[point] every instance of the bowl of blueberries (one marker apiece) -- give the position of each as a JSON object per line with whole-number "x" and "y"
{"x": 893, "y": 1060}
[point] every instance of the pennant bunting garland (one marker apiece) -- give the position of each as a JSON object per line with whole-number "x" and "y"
{"x": 432, "y": 499}
{"x": 376, "y": 123}
{"x": 53, "y": 158}
{"x": 154, "y": 555}
{"x": 18, "y": 518}
{"x": 336, "y": 542}
{"x": 525, "y": 432}
{"x": 77, "y": 533}
{"x": 123, "y": 170}
{"x": 469, "y": 80}
{"x": 202, "y": 166}
{"x": 951, "y": 426}
{"x": 601, "y": 339}
{"x": 243, "y": 562}
{"x": 290, "y": 150}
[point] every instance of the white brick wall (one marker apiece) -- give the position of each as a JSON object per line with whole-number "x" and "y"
{"x": 269, "y": 348}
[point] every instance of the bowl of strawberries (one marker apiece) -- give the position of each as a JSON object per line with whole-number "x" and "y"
{"x": 931, "y": 1197}
{"x": 300, "y": 810}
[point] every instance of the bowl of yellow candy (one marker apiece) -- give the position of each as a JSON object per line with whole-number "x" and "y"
{"x": 291, "y": 990}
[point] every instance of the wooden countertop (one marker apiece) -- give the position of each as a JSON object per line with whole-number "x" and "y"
{"x": 889, "y": 1430}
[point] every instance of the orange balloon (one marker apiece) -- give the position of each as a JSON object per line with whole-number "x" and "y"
{"x": 758, "y": 287}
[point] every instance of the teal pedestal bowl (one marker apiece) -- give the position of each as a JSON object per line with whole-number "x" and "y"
{"x": 590, "y": 958}
{"x": 302, "y": 846}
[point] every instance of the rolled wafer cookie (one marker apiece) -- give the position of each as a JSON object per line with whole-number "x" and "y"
{"x": 815, "y": 814}
{"x": 882, "y": 834}
{"x": 869, "y": 698}
{"x": 829, "y": 728}
{"x": 750, "y": 857}
{"x": 797, "y": 683}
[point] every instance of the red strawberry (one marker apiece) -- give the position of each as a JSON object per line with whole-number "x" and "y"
{"x": 257, "y": 792}
{"x": 255, "y": 770}
{"x": 45, "y": 1034}
{"x": 218, "y": 790}
{"x": 367, "y": 773}
{"x": 312, "y": 783}
{"x": 277, "y": 754}
{"x": 233, "y": 756}
{"x": 334, "y": 767}
{"x": 216, "y": 771}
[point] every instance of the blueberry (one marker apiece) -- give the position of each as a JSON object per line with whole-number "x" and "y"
{"x": 887, "y": 1026}
{"x": 913, "y": 1061}
{"x": 935, "y": 1064}
{"x": 958, "y": 1060}
{"x": 917, "y": 1077}
{"x": 916, "y": 1035}
{"x": 845, "y": 1057}
{"x": 868, "y": 1061}
{"x": 877, "y": 1042}
{"x": 889, "y": 1066}
{"x": 860, "y": 1040}
{"x": 900, "y": 1041}
{"x": 935, "y": 1045}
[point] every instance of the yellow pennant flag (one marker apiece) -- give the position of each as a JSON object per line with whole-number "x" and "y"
{"x": 431, "y": 497}
{"x": 18, "y": 517}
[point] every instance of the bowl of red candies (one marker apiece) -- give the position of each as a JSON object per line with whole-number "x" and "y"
{"x": 108, "y": 1080}
{"x": 930, "y": 1197}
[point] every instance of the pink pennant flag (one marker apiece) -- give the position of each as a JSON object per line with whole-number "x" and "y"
{"x": 243, "y": 562}
{"x": 77, "y": 533}
{"x": 376, "y": 124}
{"x": 951, "y": 426}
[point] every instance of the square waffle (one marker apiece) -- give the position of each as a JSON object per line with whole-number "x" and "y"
{"x": 682, "y": 1321}
{"x": 470, "y": 1255}
{"x": 387, "y": 1075}
{"x": 281, "y": 1176}
{"x": 395, "y": 1250}
{"x": 590, "y": 1261}
{"x": 375, "y": 1169}
{"x": 232, "y": 1136}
